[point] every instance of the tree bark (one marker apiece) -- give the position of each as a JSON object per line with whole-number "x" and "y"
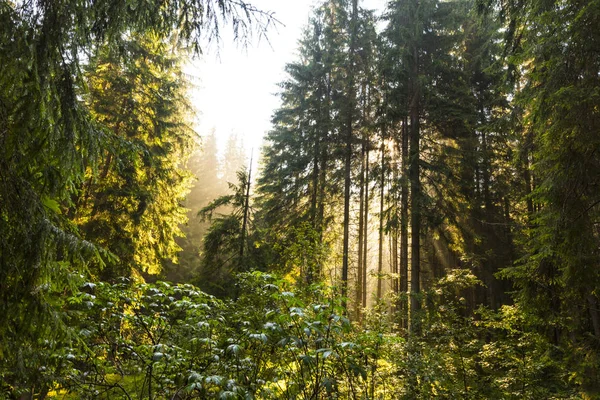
{"x": 366, "y": 233}
{"x": 348, "y": 149}
{"x": 381, "y": 205}
{"x": 415, "y": 190}
{"x": 245, "y": 218}
{"x": 404, "y": 225}
{"x": 359, "y": 273}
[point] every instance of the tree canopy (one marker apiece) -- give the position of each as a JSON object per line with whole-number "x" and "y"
{"x": 424, "y": 222}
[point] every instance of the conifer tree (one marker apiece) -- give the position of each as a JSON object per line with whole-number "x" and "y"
{"x": 132, "y": 208}
{"x": 206, "y": 186}
{"x": 225, "y": 244}
{"x": 409, "y": 24}
{"x": 302, "y": 181}
{"x": 447, "y": 90}
{"x": 298, "y": 160}
{"x": 51, "y": 141}
{"x": 555, "y": 46}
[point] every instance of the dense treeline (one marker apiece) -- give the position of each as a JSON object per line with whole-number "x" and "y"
{"x": 429, "y": 193}
{"x": 461, "y": 136}
{"x": 431, "y": 145}
{"x": 211, "y": 174}
{"x": 93, "y": 133}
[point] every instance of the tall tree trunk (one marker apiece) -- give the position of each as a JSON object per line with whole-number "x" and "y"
{"x": 348, "y": 152}
{"x": 393, "y": 237}
{"x": 324, "y": 160}
{"x": 404, "y": 225}
{"x": 381, "y": 204}
{"x": 347, "y": 175}
{"x": 415, "y": 190}
{"x": 359, "y": 273}
{"x": 314, "y": 192}
{"x": 245, "y": 218}
{"x": 314, "y": 199}
{"x": 366, "y": 227}
{"x": 361, "y": 218}
{"x": 395, "y": 283}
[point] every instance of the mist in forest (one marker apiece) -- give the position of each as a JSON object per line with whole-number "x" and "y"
{"x": 212, "y": 168}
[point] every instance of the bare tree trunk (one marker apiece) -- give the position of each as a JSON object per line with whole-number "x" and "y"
{"x": 595, "y": 316}
{"x": 404, "y": 225}
{"x": 395, "y": 283}
{"x": 245, "y": 219}
{"x": 314, "y": 201}
{"x": 359, "y": 273}
{"x": 366, "y": 233}
{"x": 348, "y": 155}
{"x": 415, "y": 192}
{"x": 381, "y": 204}
{"x": 324, "y": 159}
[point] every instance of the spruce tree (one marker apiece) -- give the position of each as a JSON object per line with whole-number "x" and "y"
{"x": 555, "y": 46}
{"x": 132, "y": 208}
{"x": 51, "y": 141}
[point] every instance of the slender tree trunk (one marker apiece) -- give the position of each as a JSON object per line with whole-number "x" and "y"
{"x": 245, "y": 218}
{"x": 359, "y": 273}
{"x": 404, "y": 225}
{"x": 415, "y": 191}
{"x": 361, "y": 218}
{"x": 324, "y": 159}
{"x": 381, "y": 204}
{"x": 348, "y": 152}
{"x": 347, "y": 183}
{"x": 395, "y": 265}
{"x": 395, "y": 283}
{"x": 366, "y": 227}
{"x": 314, "y": 193}
{"x": 314, "y": 200}
{"x": 321, "y": 198}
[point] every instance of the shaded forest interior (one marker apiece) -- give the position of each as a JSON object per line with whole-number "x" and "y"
{"x": 424, "y": 220}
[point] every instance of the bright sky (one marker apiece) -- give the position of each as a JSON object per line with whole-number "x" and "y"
{"x": 236, "y": 89}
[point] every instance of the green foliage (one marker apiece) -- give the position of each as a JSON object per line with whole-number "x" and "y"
{"x": 132, "y": 207}
{"x": 301, "y": 181}
{"x": 136, "y": 340}
{"x": 161, "y": 340}
{"x": 52, "y": 145}
{"x": 228, "y": 245}
{"x": 557, "y": 277}
{"x": 504, "y": 163}
{"x": 302, "y": 253}
{"x": 489, "y": 354}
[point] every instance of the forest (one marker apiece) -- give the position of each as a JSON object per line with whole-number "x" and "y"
{"x": 423, "y": 223}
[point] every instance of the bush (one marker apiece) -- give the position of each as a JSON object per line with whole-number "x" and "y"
{"x": 143, "y": 341}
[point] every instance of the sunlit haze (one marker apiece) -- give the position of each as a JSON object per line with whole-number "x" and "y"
{"x": 236, "y": 87}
